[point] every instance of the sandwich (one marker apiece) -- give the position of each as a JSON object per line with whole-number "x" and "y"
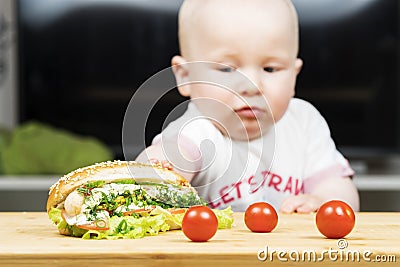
{"x": 123, "y": 199}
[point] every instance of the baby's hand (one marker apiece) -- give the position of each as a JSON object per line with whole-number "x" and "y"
{"x": 301, "y": 203}
{"x": 161, "y": 164}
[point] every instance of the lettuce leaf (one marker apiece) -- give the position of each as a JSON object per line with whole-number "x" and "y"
{"x": 174, "y": 220}
{"x": 132, "y": 228}
{"x": 159, "y": 220}
{"x": 225, "y": 218}
{"x": 55, "y": 216}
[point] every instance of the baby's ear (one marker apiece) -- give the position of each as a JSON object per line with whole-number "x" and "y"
{"x": 181, "y": 72}
{"x": 298, "y": 65}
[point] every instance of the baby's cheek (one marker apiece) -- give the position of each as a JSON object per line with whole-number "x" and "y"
{"x": 278, "y": 109}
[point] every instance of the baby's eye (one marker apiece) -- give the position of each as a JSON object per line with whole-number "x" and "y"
{"x": 227, "y": 69}
{"x": 269, "y": 69}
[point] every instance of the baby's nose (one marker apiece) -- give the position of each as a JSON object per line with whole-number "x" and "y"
{"x": 251, "y": 83}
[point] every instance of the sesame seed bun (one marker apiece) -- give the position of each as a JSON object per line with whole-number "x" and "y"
{"x": 109, "y": 172}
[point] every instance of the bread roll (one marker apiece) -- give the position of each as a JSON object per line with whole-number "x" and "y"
{"x": 109, "y": 172}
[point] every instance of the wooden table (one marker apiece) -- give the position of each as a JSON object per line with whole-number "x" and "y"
{"x": 30, "y": 239}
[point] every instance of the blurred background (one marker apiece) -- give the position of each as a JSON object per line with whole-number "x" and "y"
{"x": 68, "y": 69}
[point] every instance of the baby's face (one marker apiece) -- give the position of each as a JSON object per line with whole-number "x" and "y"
{"x": 249, "y": 86}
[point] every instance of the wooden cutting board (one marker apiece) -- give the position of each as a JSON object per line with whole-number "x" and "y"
{"x": 30, "y": 239}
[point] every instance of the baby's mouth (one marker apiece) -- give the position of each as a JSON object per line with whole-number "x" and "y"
{"x": 249, "y": 112}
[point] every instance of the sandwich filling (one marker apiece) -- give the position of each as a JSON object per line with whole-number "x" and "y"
{"x": 127, "y": 209}
{"x": 96, "y": 202}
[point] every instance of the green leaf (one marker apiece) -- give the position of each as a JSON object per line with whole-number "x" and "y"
{"x": 55, "y": 216}
{"x": 37, "y": 148}
{"x": 225, "y": 218}
{"x": 130, "y": 228}
{"x": 5, "y": 135}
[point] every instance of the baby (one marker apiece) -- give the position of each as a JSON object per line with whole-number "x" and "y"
{"x": 244, "y": 137}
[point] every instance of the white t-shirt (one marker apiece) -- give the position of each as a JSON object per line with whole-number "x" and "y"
{"x": 289, "y": 160}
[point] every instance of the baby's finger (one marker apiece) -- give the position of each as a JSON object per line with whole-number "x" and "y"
{"x": 154, "y": 161}
{"x": 161, "y": 164}
{"x": 290, "y": 205}
{"x": 305, "y": 208}
{"x": 287, "y": 208}
{"x": 167, "y": 165}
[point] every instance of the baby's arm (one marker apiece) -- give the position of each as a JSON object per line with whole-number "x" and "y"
{"x": 320, "y": 192}
{"x": 184, "y": 162}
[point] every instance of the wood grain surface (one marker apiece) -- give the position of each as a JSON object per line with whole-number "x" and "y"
{"x": 30, "y": 239}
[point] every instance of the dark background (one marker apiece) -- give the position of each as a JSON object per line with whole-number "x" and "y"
{"x": 80, "y": 62}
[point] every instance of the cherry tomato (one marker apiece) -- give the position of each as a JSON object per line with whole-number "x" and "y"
{"x": 335, "y": 219}
{"x": 261, "y": 217}
{"x": 199, "y": 223}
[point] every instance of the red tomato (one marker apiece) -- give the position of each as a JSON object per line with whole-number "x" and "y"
{"x": 199, "y": 223}
{"x": 261, "y": 217}
{"x": 335, "y": 219}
